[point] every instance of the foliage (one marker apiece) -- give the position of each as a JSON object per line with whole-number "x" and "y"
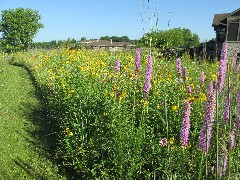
{"x": 18, "y": 27}
{"x": 171, "y": 38}
{"x": 69, "y": 43}
{"x": 116, "y": 38}
{"x": 109, "y": 130}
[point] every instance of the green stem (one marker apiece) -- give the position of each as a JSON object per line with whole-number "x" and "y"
{"x": 167, "y": 128}
{"x": 200, "y": 170}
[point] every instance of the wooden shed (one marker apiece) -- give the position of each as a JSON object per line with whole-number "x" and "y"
{"x": 227, "y": 28}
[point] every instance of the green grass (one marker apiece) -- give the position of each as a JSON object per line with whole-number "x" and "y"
{"x": 25, "y": 139}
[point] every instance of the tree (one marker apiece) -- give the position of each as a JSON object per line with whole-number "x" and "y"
{"x": 83, "y": 38}
{"x": 19, "y": 26}
{"x": 172, "y": 38}
{"x": 105, "y": 38}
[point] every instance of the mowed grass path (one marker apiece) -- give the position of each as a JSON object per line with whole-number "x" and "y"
{"x": 25, "y": 138}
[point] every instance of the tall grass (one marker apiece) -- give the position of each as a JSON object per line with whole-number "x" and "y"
{"x": 110, "y": 129}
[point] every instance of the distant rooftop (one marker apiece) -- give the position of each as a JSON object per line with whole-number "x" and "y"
{"x": 105, "y": 43}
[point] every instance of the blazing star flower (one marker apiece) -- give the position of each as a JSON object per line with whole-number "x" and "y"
{"x": 202, "y": 78}
{"x": 232, "y": 139}
{"x": 238, "y": 113}
{"x": 137, "y": 62}
{"x": 179, "y": 69}
{"x": 117, "y": 65}
{"x": 210, "y": 106}
{"x": 238, "y": 67}
{"x": 222, "y": 69}
{"x": 178, "y": 66}
{"x": 184, "y": 74}
{"x": 225, "y": 162}
{"x": 185, "y": 128}
{"x": 233, "y": 62}
{"x": 222, "y": 163}
{"x": 189, "y": 90}
{"x": 148, "y": 77}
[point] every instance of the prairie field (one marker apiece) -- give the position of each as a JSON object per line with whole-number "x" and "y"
{"x": 133, "y": 115}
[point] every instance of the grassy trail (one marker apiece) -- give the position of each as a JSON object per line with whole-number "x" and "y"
{"x": 25, "y": 138}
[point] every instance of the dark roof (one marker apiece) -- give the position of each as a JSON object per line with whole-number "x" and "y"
{"x": 217, "y": 18}
{"x": 221, "y": 17}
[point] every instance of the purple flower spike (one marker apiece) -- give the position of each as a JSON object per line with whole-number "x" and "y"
{"x": 206, "y": 131}
{"x": 222, "y": 69}
{"x": 238, "y": 67}
{"x": 238, "y": 113}
{"x": 233, "y": 63}
{"x": 178, "y": 65}
{"x": 148, "y": 77}
{"x": 137, "y": 62}
{"x": 179, "y": 69}
{"x": 232, "y": 138}
{"x": 202, "y": 78}
{"x": 117, "y": 66}
{"x": 185, "y": 128}
{"x": 189, "y": 90}
{"x": 225, "y": 162}
{"x": 184, "y": 73}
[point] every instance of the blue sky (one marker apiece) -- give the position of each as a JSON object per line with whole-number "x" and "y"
{"x": 96, "y": 18}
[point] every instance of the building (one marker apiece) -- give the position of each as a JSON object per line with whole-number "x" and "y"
{"x": 108, "y": 45}
{"x": 227, "y": 28}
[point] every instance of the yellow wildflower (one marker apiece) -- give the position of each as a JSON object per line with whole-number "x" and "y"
{"x": 112, "y": 94}
{"x": 142, "y": 101}
{"x": 174, "y": 107}
{"x": 214, "y": 76}
{"x": 67, "y": 132}
{"x": 70, "y": 133}
{"x": 203, "y": 97}
{"x": 171, "y": 140}
{"x": 146, "y": 103}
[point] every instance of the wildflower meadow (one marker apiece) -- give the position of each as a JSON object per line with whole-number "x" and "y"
{"x": 133, "y": 115}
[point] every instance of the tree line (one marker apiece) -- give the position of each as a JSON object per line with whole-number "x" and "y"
{"x": 172, "y": 38}
{"x": 19, "y": 26}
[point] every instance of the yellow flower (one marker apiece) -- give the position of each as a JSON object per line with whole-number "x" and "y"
{"x": 142, "y": 101}
{"x": 158, "y": 106}
{"x": 171, "y": 140}
{"x": 112, "y": 94}
{"x": 214, "y": 76}
{"x": 146, "y": 103}
{"x": 203, "y": 97}
{"x": 192, "y": 85}
{"x": 70, "y": 133}
{"x": 174, "y": 107}
{"x": 189, "y": 99}
{"x": 67, "y": 132}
